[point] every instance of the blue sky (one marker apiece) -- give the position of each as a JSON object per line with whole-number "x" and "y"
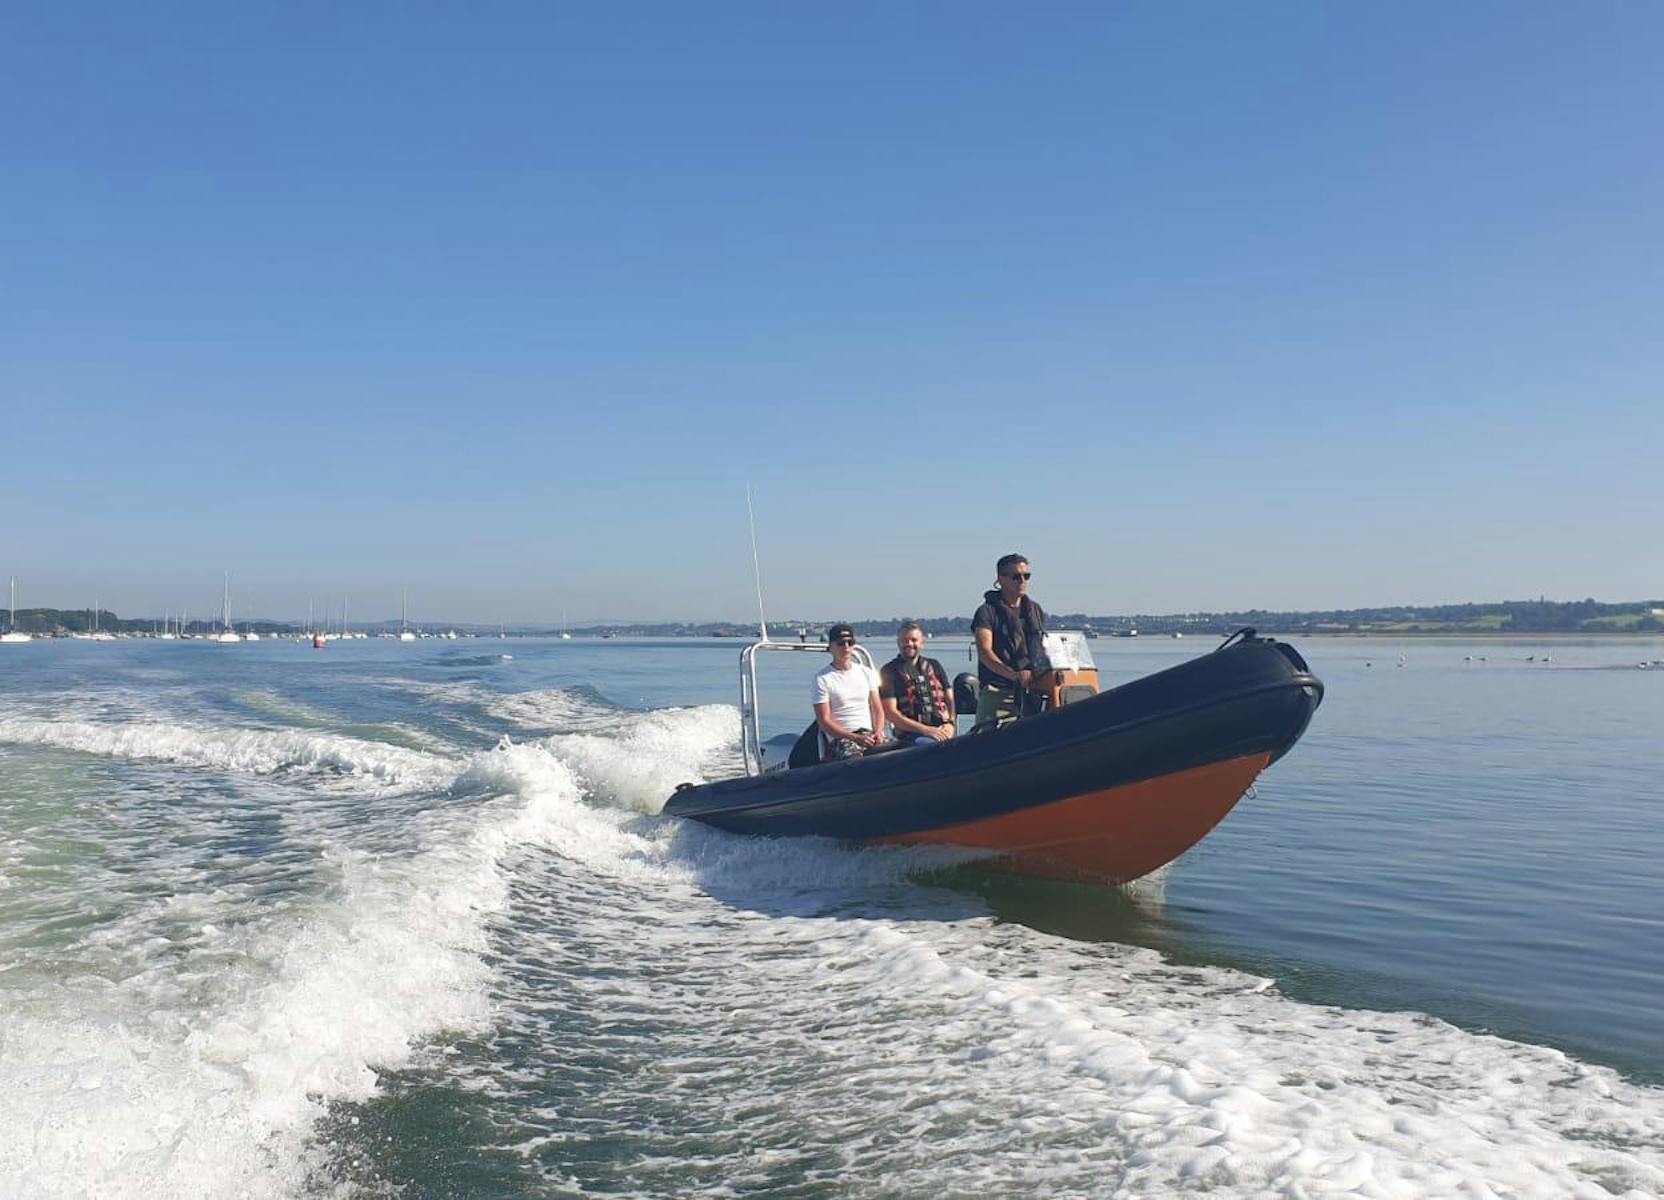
{"x": 1201, "y": 306}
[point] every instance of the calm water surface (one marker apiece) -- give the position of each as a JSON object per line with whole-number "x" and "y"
{"x": 403, "y": 919}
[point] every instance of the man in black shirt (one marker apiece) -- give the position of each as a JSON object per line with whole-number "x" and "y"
{"x": 1010, "y": 649}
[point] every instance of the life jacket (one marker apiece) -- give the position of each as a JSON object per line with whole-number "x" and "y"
{"x": 1019, "y": 638}
{"x": 921, "y": 689}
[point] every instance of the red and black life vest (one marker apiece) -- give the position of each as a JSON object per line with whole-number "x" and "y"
{"x": 921, "y": 690}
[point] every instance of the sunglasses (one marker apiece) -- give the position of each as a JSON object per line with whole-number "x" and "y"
{"x": 843, "y": 641}
{"x": 1019, "y": 574}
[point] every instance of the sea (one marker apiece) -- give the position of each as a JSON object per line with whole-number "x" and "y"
{"x": 405, "y": 920}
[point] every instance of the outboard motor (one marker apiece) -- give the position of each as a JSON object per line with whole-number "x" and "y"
{"x": 806, "y": 750}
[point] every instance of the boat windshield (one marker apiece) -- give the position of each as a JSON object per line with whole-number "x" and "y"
{"x": 1066, "y": 648}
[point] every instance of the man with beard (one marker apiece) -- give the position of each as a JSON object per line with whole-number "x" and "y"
{"x": 917, "y": 695}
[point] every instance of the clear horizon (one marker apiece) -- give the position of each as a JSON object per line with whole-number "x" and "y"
{"x": 1202, "y": 309}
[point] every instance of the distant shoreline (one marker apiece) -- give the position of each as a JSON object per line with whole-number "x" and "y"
{"x": 1507, "y": 619}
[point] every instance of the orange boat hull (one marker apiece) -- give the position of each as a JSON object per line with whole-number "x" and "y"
{"x": 1109, "y": 836}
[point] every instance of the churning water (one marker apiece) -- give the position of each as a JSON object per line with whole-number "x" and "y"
{"x": 404, "y": 920}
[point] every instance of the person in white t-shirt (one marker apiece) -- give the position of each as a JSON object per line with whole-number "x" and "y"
{"x": 847, "y": 707}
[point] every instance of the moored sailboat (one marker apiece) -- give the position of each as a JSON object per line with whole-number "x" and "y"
{"x": 13, "y": 635}
{"x": 226, "y": 633}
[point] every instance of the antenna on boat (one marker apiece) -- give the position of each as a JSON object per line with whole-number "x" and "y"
{"x": 756, "y": 566}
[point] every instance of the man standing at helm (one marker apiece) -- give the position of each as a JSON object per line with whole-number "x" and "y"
{"x": 1010, "y": 630}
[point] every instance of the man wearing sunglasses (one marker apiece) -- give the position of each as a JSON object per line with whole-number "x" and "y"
{"x": 1010, "y": 632}
{"x": 847, "y": 707}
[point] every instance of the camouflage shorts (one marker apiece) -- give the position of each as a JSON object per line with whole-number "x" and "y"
{"x": 839, "y": 748}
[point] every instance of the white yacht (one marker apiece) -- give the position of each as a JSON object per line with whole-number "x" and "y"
{"x": 12, "y": 636}
{"x": 404, "y": 619}
{"x": 226, "y": 633}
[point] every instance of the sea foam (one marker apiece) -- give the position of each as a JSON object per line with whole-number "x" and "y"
{"x": 140, "y": 1087}
{"x": 250, "y": 751}
{"x": 641, "y": 757}
{"x": 809, "y": 1013}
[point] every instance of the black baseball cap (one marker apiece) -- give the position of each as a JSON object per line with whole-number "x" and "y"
{"x": 837, "y": 631}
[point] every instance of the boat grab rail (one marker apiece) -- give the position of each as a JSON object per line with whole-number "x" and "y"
{"x": 1248, "y": 634}
{"x": 751, "y": 713}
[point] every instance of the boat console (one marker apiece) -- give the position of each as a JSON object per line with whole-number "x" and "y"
{"x": 1073, "y": 677}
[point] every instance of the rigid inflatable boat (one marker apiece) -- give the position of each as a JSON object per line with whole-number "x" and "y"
{"x": 1102, "y": 787}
